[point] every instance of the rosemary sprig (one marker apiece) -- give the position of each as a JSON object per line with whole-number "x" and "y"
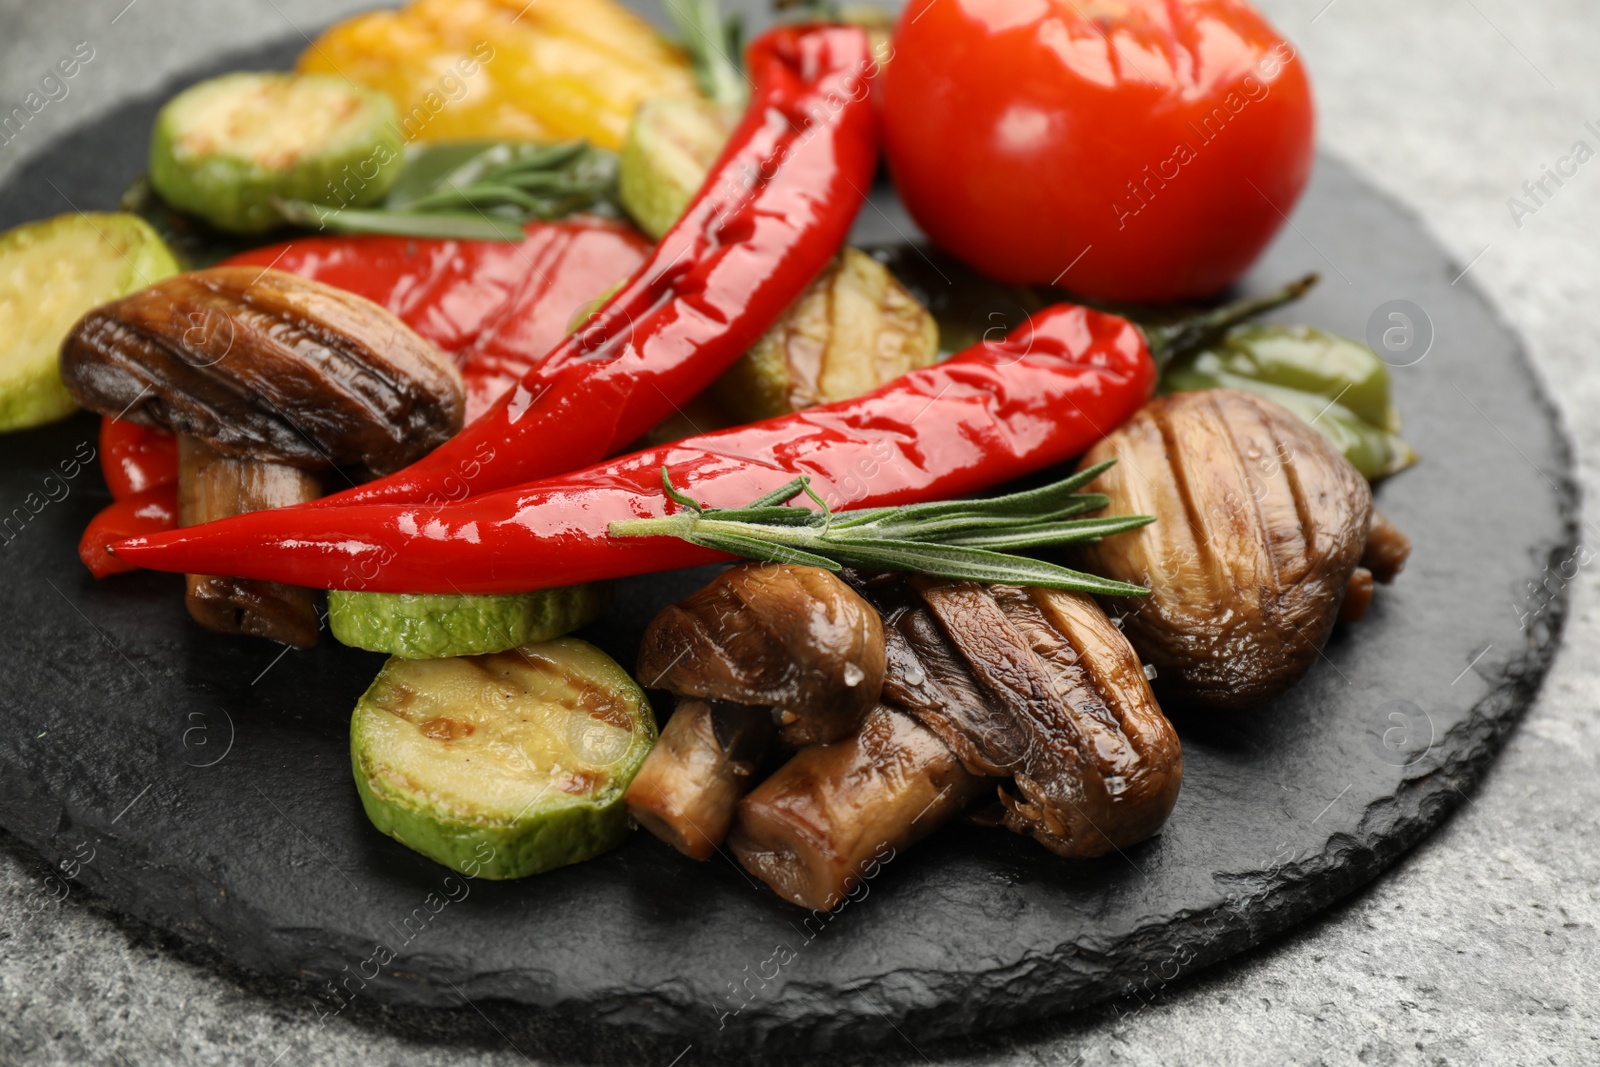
{"x": 968, "y": 539}
{"x": 475, "y": 190}
{"x": 716, "y": 50}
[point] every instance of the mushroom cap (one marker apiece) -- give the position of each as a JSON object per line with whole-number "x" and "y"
{"x": 262, "y": 364}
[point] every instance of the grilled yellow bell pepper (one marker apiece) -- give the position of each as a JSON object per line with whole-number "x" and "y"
{"x": 552, "y": 70}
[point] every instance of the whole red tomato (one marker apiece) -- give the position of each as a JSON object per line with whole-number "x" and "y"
{"x": 1138, "y": 150}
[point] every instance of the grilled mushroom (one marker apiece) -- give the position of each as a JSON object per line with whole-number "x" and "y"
{"x": 272, "y": 382}
{"x": 1260, "y": 526}
{"x": 794, "y": 639}
{"x": 704, "y": 761}
{"x": 830, "y": 816}
{"x": 763, "y": 650}
{"x": 983, "y": 682}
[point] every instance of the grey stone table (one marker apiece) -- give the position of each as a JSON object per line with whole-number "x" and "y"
{"x": 1480, "y": 948}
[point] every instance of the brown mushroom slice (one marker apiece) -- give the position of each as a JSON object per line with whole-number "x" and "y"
{"x": 795, "y": 639}
{"x": 1260, "y": 524}
{"x": 214, "y": 486}
{"x": 828, "y": 819}
{"x": 1099, "y": 766}
{"x": 281, "y": 380}
{"x": 704, "y": 761}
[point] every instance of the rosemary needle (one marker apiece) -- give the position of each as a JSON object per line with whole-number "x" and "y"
{"x": 974, "y": 540}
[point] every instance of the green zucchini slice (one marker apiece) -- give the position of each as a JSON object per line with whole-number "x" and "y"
{"x": 670, "y": 146}
{"x": 436, "y": 625}
{"x": 51, "y": 273}
{"x": 506, "y": 765}
{"x": 225, "y": 148}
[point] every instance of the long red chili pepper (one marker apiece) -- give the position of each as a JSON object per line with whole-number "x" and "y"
{"x": 993, "y": 413}
{"x": 775, "y": 207}
{"x": 498, "y": 307}
{"x": 151, "y": 511}
{"x": 136, "y": 458}
{"x": 494, "y": 305}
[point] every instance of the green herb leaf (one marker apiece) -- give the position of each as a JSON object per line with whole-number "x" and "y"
{"x": 476, "y": 190}
{"x": 715, "y": 47}
{"x": 461, "y": 225}
{"x": 963, "y": 539}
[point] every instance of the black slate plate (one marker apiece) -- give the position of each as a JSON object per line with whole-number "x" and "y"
{"x": 202, "y": 784}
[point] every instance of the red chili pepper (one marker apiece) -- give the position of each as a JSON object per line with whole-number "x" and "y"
{"x": 497, "y": 307}
{"x": 991, "y": 414}
{"x": 152, "y": 511}
{"x": 775, "y": 207}
{"x": 136, "y": 458}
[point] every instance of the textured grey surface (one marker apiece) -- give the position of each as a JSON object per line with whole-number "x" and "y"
{"x": 1481, "y": 948}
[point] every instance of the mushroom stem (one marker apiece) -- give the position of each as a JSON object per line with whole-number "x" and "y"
{"x": 704, "y": 762}
{"x": 826, "y": 821}
{"x": 214, "y": 486}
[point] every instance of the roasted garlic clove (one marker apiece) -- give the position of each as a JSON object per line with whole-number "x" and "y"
{"x": 794, "y": 639}
{"x": 1260, "y": 524}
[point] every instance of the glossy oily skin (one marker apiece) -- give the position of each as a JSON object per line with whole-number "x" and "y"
{"x": 828, "y": 820}
{"x": 268, "y": 380}
{"x": 1260, "y": 525}
{"x": 705, "y": 761}
{"x": 796, "y": 640}
{"x": 1038, "y": 686}
{"x": 997, "y": 411}
{"x": 497, "y": 307}
{"x": 1165, "y": 142}
{"x": 772, "y": 213}
{"x": 264, "y": 365}
{"x": 214, "y": 486}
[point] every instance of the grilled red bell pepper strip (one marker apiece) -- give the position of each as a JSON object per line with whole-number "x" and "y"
{"x": 136, "y": 458}
{"x": 995, "y": 412}
{"x": 153, "y": 511}
{"x": 497, "y": 307}
{"x": 775, "y": 208}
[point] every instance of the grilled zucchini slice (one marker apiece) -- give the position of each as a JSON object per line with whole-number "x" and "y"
{"x": 223, "y": 149}
{"x": 505, "y": 765}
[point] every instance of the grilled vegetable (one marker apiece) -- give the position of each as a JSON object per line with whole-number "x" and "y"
{"x": 996, "y": 412}
{"x": 763, "y": 650}
{"x": 437, "y": 625}
{"x": 1334, "y": 384}
{"x": 672, "y": 142}
{"x": 224, "y": 149}
{"x": 270, "y": 381}
{"x": 984, "y": 684}
{"x": 214, "y": 486}
{"x": 830, "y": 818}
{"x": 1040, "y": 686}
{"x": 1260, "y": 525}
{"x": 852, "y": 330}
{"x": 705, "y": 761}
{"x": 52, "y": 272}
{"x": 796, "y": 640}
{"x": 524, "y": 753}
{"x": 464, "y": 69}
